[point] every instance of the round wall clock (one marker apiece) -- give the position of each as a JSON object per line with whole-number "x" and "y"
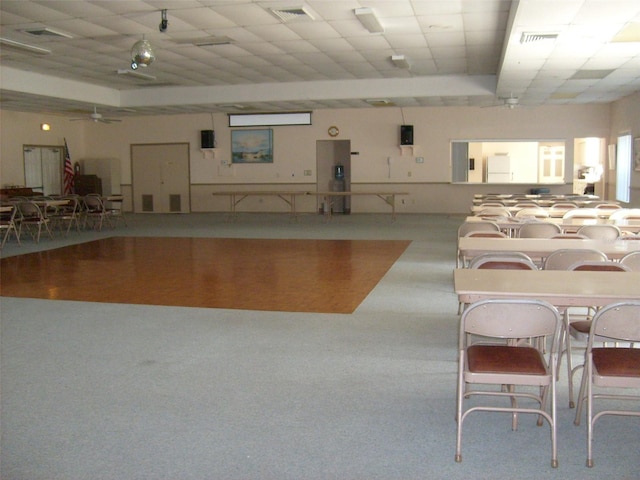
{"x": 333, "y": 131}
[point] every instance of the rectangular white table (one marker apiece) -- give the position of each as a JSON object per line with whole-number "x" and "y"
{"x": 388, "y": 197}
{"x": 559, "y": 287}
{"x": 289, "y": 197}
{"x": 570, "y": 224}
{"x": 539, "y": 248}
{"x": 235, "y": 197}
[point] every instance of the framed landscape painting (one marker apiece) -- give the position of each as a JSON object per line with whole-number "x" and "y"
{"x": 252, "y": 146}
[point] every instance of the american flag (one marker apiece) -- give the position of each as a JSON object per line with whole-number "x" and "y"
{"x": 68, "y": 171}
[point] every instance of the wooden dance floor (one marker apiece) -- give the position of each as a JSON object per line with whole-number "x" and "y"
{"x": 323, "y": 276}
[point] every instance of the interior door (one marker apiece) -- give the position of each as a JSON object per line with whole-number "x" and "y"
{"x": 329, "y": 154}
{"x": 551, "y": 168}
{"x": 160, "y": 174}
{"x": 43, "y": 169}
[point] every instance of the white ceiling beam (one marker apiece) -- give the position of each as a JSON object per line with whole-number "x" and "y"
{"x": 23, "y": 81}
{"x": 432, "y": 86}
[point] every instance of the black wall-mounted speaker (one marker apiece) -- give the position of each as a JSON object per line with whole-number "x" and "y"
{"x": 406, "y": 134}
{"x": 207, "y": 139}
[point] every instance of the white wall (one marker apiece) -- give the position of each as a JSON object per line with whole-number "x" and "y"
{"x": 373, "y": 132}
{"x": 625, "y": 117}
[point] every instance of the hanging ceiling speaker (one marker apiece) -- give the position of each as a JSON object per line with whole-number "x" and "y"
{"x": 141, "y": 54}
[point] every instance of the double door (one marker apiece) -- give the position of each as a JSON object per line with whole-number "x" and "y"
{"x": 160, "y": 174}
{"x": 43, "y": 169}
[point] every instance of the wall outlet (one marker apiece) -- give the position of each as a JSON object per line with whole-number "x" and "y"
{"x": 419, "y": 159}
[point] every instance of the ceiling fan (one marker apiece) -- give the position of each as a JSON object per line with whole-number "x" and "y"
{"x": 97, "y": 117}
{"x": 510, "y": 102}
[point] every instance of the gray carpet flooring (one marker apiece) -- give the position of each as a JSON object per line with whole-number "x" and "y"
{"x": 112, "y": 391}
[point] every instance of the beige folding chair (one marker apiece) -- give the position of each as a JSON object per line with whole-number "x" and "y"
{"x": 565, "y": 259}
{"x": 503, "y": 261}
{"x": 500, "y": 261}
{"x": 584, "y": 213}
{"x": 8, "y": 223}
{"x": 611, "y": 367}
{"x": 467, "y": 227}
{"x": 67, "y": 215}
{"x": 539, "y": 230}
{"x": 95, "y": 211}
{"x": 600, "y": 232}
{"x": 625, "y": 214}
{"x": 494, "y": 212}
{"x": 115, "y": 211}
{"x": 532, "y": 212}
{"x": 608, "y": 207}
{"x": 558, "y": 209}
{"x": 579, "y": 329}
{"x": 487, "y": 234}
{"x": 632, "y": 260}
{"x": 33, "y": 220}
{"x": 492, "y": 352}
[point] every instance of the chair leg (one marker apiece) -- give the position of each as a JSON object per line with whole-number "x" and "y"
{"x": 587, "y": 374}
{"x": 567, "y": 343}
{"x": 554, "y": 426}
{"x": 459, "y": 401}
{"x": 581, "y": 397}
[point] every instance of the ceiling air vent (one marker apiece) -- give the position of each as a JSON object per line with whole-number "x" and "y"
{"x": 289, "y": 14}
{"x": 212, "y": 41}
{"x": 47, "y": 32}
{"x": 534, "y": 37}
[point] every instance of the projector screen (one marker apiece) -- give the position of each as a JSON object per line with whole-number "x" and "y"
{"x": 269, "y": 119}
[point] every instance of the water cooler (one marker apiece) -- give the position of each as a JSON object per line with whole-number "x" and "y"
{"x": 338, "y": 185}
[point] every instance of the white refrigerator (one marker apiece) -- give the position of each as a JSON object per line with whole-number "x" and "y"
{"x": 499, "y": 169}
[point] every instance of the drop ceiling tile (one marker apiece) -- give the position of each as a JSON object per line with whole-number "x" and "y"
{"x": 441, "y": 23}
{"x": 199, "y": 18}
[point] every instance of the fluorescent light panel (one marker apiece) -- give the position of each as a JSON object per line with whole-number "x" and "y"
{"x": 591, "y": 74}
{"x": 380, "y": 102}
{"x": 24, "y": 47}
{"x": 400, "y": 61}
{"x": 368, "y": 19}
{"x": 136, "y": 74}
{"x": 268, "y": 119}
